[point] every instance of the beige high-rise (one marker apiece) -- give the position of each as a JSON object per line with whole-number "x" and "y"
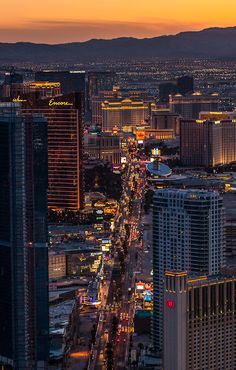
{"x": 199, "y": 322}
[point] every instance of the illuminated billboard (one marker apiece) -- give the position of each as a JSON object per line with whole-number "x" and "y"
{"x": 140, "y": 285}
{"x": 140, "y": 135}
{"x": 106, "y": 244}
{"x": 155, "y": 152}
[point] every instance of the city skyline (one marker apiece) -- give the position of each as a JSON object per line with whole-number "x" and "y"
{"x": 73, "y": 21}
{"x": 118, "y": 185}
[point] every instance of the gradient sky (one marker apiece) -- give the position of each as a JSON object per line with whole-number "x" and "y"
{"x": 57, "y": 21}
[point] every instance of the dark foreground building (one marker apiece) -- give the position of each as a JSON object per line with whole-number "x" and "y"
{"x": 71, "y": 81}
{"x": 23, "y": 240}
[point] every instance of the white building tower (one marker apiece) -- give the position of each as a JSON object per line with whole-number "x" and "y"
{"x": 188, "y": 235}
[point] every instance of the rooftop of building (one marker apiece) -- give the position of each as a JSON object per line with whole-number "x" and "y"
{"x": 59, "y": 316}
{"x": 188, "y": 193}
{"x": 143, "y": 314}
{"x": 196, "y": 279}
{"x": 161, "y": 171}
{"x": 196, "y": 94}
{"x": 77, "y": 246}
{"x": 63, "y": 289}
{"x": 58, "y": 229}
{"x": 209, "y": 280}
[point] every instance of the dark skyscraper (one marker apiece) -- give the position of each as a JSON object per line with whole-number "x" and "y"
{"x": 37, "y": 146}
{"x": 99, "y": 81}
{"x": 23, "y": 235}
{"x": 71, "y": 81}
{"x": 12, "y": 85}
{"x": 13, "y": 78}
{"x": 185, "y": 85}
{"x": 166, "y": 89}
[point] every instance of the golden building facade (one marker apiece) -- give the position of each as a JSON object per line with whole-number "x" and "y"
{"x": 126, "y": 115}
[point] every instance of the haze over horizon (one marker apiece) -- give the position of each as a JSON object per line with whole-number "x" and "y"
{"x": 81, "y": 21}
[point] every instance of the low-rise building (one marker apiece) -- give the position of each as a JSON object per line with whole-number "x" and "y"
{"x": 103, "y": 146}
{"x": 56, "y": 265}
{"x": 64, "y": 328}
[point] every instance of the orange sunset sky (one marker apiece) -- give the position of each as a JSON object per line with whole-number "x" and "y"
{"x": 57, "y": 21}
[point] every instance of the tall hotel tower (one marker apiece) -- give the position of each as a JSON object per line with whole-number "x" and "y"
{"x": 207, "y": 143}
{"x": 188, "y": 234}
{"x": 189, "y": 106}
{"x": 199, "y": 322}
{"x": 23, "y": 240}
{"x": 64, "y": 115}
{"x": 126, "y": 115}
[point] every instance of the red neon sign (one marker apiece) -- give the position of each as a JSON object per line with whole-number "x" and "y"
{"x": 170, "y": 303}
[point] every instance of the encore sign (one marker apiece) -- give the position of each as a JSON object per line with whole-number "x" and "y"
{"x": 53, "y": 103}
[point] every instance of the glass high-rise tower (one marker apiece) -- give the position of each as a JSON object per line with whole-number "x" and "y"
{"x": 23, "y": 240}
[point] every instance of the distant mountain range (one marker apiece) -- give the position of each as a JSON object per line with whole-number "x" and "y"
{"x": 208, "y": 43}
